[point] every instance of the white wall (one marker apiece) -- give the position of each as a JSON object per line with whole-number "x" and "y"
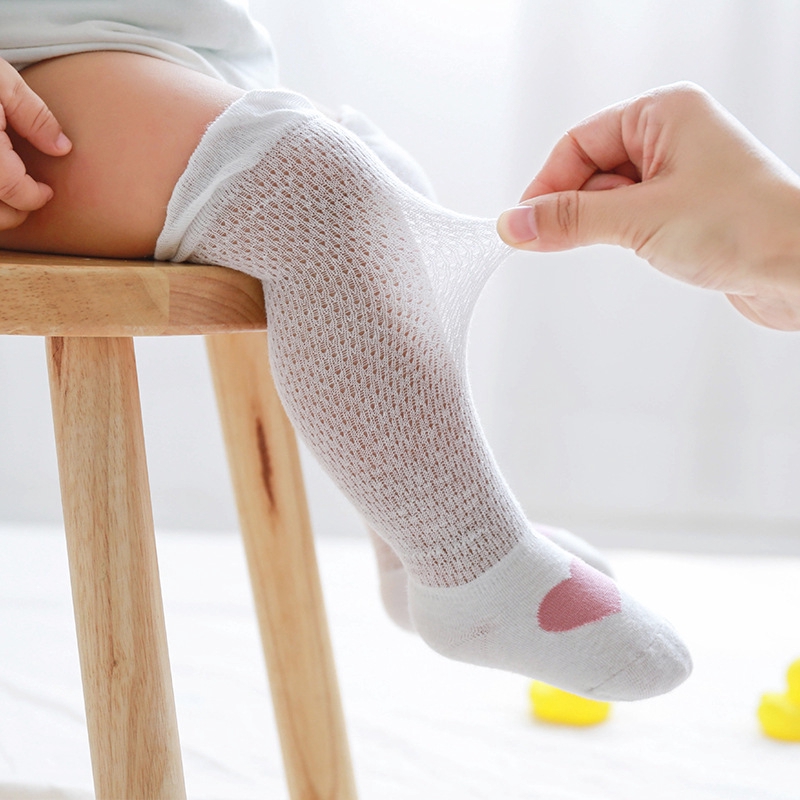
{"x": 648, "y": 399}
{"x": 644, "y": 400}
{"x": 614, "y": 398}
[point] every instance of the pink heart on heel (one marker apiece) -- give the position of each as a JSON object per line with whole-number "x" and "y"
{"x": 586, "y": 596}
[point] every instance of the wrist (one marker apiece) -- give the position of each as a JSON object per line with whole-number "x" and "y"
{"x": 770, "y": 292}
{"x": 779, "y": 258}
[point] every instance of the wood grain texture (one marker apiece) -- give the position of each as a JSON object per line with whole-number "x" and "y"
{"x": 265, "y": 466}
{"x": 50, "y": 295}
{"x": 122, "y": 642}
{"x": 89, "y": 309}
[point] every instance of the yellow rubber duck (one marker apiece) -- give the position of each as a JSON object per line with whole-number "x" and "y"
{"x": 779, "y": 714}
{"x": 549, "y": 704}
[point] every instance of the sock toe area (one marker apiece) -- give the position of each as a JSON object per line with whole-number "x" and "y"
{"x": 663, "y": 666}
{"x": 624, "y": 653}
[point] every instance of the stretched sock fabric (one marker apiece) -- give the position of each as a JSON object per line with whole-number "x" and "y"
{"x": 392, "y": 575}
{"x": 369, "y": 289}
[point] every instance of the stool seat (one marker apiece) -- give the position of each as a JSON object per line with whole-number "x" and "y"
{"x": 88, "y": 310}
{"x": 50, "y": 295}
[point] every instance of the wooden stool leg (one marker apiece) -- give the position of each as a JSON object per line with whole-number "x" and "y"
{"x": 265, "y": 466}
{"x": 133, "y": 732}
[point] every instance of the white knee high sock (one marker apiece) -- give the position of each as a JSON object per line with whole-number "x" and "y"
{"x": 369, "y": 289}
{"x": 392, "y": 574}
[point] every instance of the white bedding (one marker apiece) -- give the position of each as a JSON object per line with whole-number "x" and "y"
{"x": 421, "y": 728}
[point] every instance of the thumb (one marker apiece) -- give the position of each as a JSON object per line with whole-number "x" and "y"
{"x": 563, "y": 220}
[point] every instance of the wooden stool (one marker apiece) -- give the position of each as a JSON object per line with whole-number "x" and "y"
{"x": 89, "y": 309}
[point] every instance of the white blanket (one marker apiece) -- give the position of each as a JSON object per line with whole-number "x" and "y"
{"x": 421, "y": 727}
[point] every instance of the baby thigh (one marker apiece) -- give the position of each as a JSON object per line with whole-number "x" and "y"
{"x": 134, "y": 122}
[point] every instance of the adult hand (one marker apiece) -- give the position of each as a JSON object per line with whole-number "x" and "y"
{"x": 27, "y": 114}
{"x": 689, "y": 189}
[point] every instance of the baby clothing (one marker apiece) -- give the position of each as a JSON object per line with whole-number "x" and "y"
{"x": 215, "y": 37}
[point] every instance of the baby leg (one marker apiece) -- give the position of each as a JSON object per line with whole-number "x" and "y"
{"x": 369, "y": 290}
{"x": 134, "y": 121}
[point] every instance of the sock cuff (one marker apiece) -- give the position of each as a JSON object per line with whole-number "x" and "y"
{"x": 225, "y": 150}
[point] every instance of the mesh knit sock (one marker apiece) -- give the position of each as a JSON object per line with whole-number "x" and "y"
{"x": 392, "y": 577}
{"x": 394, "y": 580}
{"x": 369, "y": 288}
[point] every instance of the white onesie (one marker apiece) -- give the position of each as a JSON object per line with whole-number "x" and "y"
{"x": 215, "y": 37}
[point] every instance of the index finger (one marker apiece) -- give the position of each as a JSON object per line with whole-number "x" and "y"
{"x": 28, "y": 114}
{"x": 595, "y": 145}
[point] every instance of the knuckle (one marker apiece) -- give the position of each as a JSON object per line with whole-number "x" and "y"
{"x": 683, "y": 95}
{"x": 568, "y": 215}
{"x": 689, "y": 89}
{"x": 15, "y": 94}
{"x": 39, "y": 121}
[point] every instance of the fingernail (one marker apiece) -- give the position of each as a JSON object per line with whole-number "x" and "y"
{"x": 63, "y": 143}
{"x": 520, "y": 224}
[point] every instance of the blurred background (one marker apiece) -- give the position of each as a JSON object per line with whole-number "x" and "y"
{"x": 619, "y": 403}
